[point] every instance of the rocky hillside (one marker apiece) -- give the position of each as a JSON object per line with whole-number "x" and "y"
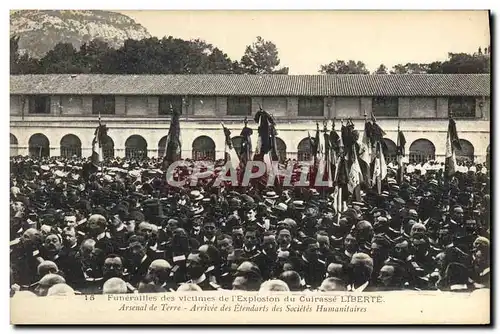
{"x": 41, "y": 30}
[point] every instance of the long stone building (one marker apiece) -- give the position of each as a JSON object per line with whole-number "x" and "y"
{"x": 57, "y": 115}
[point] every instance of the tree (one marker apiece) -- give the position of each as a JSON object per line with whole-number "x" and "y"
{"x": 382, "y": 69}
{"x": 62, "y": 59}
{"x": 21, "y": 63}
{"x": 466, "y": 63}
{"x": 410, "y": 68}
{"x": 91, "y": 56}
{"x": 342, "y": 67}
{"x": 262, "y": 58}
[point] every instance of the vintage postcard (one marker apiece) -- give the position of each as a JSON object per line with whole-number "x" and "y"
{"x": 250, "y": 167}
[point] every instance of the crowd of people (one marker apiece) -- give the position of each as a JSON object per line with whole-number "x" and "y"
{"x": 120, "y": 228}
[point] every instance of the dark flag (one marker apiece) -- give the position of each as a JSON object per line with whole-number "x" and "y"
{"x": 246, "y": 143}
{"x": 173, "y": 144}
{"x": 376, "y": 132}
{"x": 400, "y": 153}
{"x": 328, "y": 155}
{"x": 100, "y": 135}
{"x": 452, "y": 144}
{"x": 316, "y": 144}
{"x": 266, "y": 124}
{"x": 334, "y": 144}
{"x": 266, "y": 131}
{"x": 274, "y": 144}
{"x": 341, "y": 174}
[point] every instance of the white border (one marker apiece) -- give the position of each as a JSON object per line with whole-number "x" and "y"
{"x": 200, "y": 4}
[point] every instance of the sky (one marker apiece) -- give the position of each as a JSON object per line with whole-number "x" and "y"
{"x": 308, "y": 39}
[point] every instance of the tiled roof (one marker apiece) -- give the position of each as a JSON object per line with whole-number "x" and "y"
{"x": 254, "y": 85}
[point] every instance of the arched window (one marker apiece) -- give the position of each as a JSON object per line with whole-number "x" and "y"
{"x": 108, "y": 148}
{"x": 203, "y": 148}
{"x": 422, "y": 150}
{"x": 162, "y": 145}
{"x": 71, "y": 146}
{"x": 467, "y": 151}
{"x": 39, "y": 145}
{"x": 304, "y": 150}
{"x": 136, "y": 147}
{"x": 390, "y": 153}
{"x": 14, "y": 145}
{"x": 281, "y": 149}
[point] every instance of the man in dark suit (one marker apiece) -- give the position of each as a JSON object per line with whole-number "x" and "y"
{"x": 267, "y": 259}
{"x": 97, "y": 231}
{"x": 196, "y": 266}
{"x": 310, "y": 267}
{"x": 251, "y": 243}
{"x": 25, "y": 257}
{"x": 138, "y": 259}
{"x": 68, "y": 253}
{"x": 209, "y": 233}
{"x": 360, "y": 272}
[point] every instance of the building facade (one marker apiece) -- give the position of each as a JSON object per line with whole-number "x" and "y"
{"x": 56, "y": 115}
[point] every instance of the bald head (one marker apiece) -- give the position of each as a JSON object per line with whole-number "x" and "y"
{"x": 47, "y": 267}
{"x": 114, "y": 285}
{"x": 292, "y": 279}
{"x": 418, "y": 228}
{"x": 188, "y": 287}
{"x": 362, "y": 259}
{"x": 274, "y": 285}
{"x": 61, "y": 289}
{"x": 332, "y": 284}
{"x": 47, "y": 282}
{"x": 160, "y": 264}
{"x": 335, "y": 270}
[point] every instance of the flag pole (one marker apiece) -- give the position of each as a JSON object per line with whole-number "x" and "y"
{"x": 399, "y": 153}
{"x": 340, "y": 203}
{"x": 369, "y": 179}
{"x": 99, "y": 144}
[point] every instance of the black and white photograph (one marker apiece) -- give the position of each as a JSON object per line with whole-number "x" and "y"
{"x": 162, "y": 153}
